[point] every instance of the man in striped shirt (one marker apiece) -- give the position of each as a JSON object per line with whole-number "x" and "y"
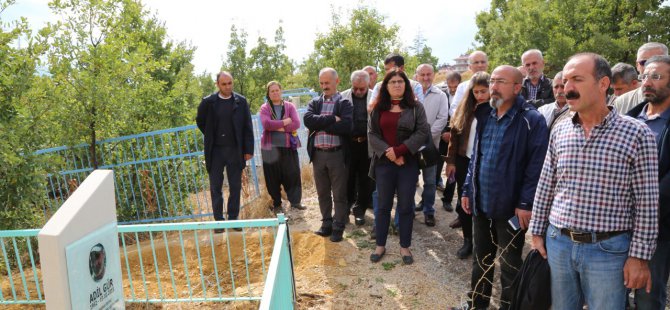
{"x": 596, "y": 202}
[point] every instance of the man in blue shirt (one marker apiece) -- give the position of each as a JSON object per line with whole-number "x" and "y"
{"x": 510, "y": 145}
{"x": 656, "y": 114}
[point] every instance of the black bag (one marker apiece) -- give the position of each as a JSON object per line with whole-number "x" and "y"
{"x": 428, "y": 154}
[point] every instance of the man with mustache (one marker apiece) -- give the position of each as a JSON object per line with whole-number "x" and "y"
{"x": 656, "y": 114}
{"x": 509, "y": 148}
{"x": 595, "y": 211}
{"x": 627, "y": 101}
{"x": 329, "y": 119}
{"x": 536, "y": 88}
{"x": 558, "y": 110}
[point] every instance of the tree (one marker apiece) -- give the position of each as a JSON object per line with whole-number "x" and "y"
{"x": 267, "y": 62}
{"x": 614, "y": 29}
{"x": 113, "y": 73}
{"x": 21, "y": 179}
{"x": 364, "y": 40}
{"x": 419, "y": 53}
{"x": 236, "y": 59}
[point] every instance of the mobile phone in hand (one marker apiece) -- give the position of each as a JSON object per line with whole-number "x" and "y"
{"x": 514, "y": 223}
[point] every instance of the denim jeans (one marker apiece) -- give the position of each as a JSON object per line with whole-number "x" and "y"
{"x": 429, "y": 188}
{"x": 375, "y": 206}
{"x": 659, "y": 266}
{"x": 586, "y": 272}
{"x": 392, "y": 180}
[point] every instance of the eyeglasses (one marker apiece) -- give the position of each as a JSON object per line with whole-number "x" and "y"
{"x": 500, "y": 81}
{"x": 653, "y": 76}
{"x": 642, "y": 62}
{"x": 396, "y": 82}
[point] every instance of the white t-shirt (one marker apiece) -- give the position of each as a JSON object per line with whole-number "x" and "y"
{"x": 471, "y": 139}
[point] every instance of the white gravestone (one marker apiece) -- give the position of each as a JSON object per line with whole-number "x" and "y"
{"x": 79, "y": 249}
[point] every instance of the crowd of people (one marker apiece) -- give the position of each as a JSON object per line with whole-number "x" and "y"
{"x": 581, "y": 160}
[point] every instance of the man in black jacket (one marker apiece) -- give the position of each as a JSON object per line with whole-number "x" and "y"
{"x": 656, "y": 114}
{"x": 224, "y": 119}
{"x": 536, "y": 88}
{"x": 329, "y": 119}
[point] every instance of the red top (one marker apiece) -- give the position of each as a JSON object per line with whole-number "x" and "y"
{"x": 388, "y": 122}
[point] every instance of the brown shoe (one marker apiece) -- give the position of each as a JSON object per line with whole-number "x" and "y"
{"x": 455, "y": 223}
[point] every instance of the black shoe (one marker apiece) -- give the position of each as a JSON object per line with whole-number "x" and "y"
{"x": 298, "y": 207}
{"x": 277, "y": 209}
{"x": 407, "y": 260}
{"x": 237, "y": 229}
{"x": 360, "y": 221}
{"x": 324, "y": 231}
{"x": 447, "y": 207}
{"x": 466, "y": 250}
{"x": 373, "y": 233}
{"x": 336, "y": 235}
{"x": 430, "y": 220}
{"x": 374, "y": 257}
{"x": 455, "y": 223}
{"x": 419, "y": 206}
{"x": 219, "y": 230}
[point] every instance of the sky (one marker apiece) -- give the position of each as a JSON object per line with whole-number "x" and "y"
{"x": 448, "y": 26}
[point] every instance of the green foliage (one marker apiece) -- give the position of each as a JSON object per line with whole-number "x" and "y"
{"x": 363, "y": 40}
{"x": 114, "y": 73}
{"x": 614, "y": 29}
{"x": 20, "y": 177}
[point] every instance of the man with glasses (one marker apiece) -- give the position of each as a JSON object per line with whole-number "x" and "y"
{"x": 509, "y": 148}
{"x": 656, "y": 114}
{"x": 627, "y": 101}
{"x": 477, "y": 61}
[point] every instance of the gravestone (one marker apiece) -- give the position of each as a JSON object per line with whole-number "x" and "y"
{"x": 79, "y": 249}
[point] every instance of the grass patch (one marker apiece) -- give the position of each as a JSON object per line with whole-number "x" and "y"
{"x": 356, "y": 234}
{"x": 389, "y": 265}
{"x": 365, "y": 244}
{"x": 379, "y": 280}
{"x": 391, "y": 292}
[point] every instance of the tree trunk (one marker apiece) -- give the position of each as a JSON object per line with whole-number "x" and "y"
{"x": 91, "y": 148}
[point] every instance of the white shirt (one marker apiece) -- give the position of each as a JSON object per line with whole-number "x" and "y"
{"x": 437, "y": 112}
{"x": 458, "y": 96}
{"x": 471, "y": 139}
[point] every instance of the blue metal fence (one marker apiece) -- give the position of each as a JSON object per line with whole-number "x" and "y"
{"x": 159, "y": 175}
{"x": 174, "y": 262}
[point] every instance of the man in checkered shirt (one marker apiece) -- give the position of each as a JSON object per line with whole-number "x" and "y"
{"x": 329, "y": 119}
{"x": 596, "y": 204}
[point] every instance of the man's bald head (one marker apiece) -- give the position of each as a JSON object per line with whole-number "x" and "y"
{"x": 478, "y": 61}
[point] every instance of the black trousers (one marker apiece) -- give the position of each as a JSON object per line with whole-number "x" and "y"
{"x": 449, "y": 189}
{"x": 228, "y": 158}
{"x": 462, "y": 163}
{"x": 491, "y": 236}
{"x": 359, "y": 184}
{"x": 281, "y": 167}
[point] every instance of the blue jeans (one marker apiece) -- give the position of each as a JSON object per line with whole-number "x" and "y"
{"x": 392, "y": 180}
{"x": 375, "y": 206}
{"x": 659, "y": 266}
{"x": 429, "y": 188}
{"x": 586, "y": 272}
